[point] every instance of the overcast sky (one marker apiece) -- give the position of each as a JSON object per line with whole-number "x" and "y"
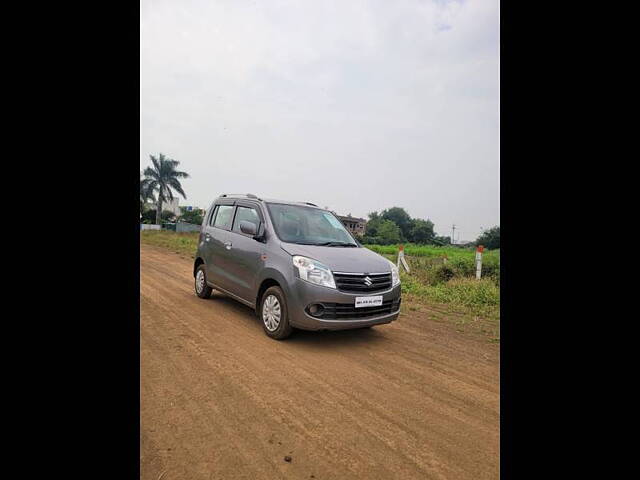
{"x": 354, "y": 105}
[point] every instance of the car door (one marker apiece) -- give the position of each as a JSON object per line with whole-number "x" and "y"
{"x": 245, "y": 259}
{"x": 216, "y": 244}
{"x": 204, "y": 240}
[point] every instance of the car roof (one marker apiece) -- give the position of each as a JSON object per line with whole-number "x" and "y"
{"x": 289, "y": 202}
{"x": 232, "y": 196}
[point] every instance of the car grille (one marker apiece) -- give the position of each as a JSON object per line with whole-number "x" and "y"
{"x": 348, "y": 311}
{"x": 362, "y": 282}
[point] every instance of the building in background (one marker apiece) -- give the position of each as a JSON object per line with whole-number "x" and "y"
{"x": 463, "y": 243}
{"x": 191, "y": 208}
{"x": 172, "y": 206}
{"x": 357, "y": 226}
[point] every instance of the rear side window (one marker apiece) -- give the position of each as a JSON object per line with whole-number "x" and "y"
{"x": 223, "y": 216}
{"x": 246, "y": 214}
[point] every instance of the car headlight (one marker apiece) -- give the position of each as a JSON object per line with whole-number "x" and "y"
{"x": 313, "y": 271}
{"x": 395, "y": 274}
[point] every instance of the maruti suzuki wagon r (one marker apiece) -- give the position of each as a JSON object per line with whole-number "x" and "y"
{"x": 295, "y": 264}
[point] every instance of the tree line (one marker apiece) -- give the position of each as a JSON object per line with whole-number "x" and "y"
{"x": 395, "y": 225}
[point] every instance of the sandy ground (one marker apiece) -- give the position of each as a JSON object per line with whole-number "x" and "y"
{"x": 221, "y": 400}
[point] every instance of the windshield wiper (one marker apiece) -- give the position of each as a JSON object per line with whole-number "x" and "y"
{"x": 336, "y": 244}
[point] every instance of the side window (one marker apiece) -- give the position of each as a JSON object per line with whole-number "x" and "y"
{"x": 245, "y": 214}
{"x": 224, "y": 215}
{"x": 213, "y": 215}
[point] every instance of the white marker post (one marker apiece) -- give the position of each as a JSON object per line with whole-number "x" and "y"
{"x": 479, "y": 251}
{"x": 401, "y": 259}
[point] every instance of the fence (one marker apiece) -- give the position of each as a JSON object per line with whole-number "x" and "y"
{"x": 187, "y": 227}
{"x": 177, "y": 227}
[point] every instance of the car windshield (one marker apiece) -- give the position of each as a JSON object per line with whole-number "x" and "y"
{"x": 309, "y": 226}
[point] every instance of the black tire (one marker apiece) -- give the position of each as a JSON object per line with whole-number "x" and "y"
{"x": 283, "y": 329}
{"x": 206, "y": 290}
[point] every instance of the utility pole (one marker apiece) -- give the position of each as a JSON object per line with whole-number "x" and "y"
{"x": 453, "y": 234}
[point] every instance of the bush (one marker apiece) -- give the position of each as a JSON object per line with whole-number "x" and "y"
{"x": 490, "y": 238}
{"x": 482, "y": 297}
{"x": 193, "y": 216}
{"x": 150, "y": 215}
{"x": 427, "y": 266}
{"x": 389, "y": 232}
{"x": 491, "y": 269}
{"x": 442, "y": 273}
{"x": 467, "y": 291}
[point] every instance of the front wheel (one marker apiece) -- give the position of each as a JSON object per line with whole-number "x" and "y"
{"x": 202, "y": 289}
{"x": 274, "y": 314}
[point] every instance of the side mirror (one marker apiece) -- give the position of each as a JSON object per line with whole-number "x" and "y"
{"x": 248, "y": 228}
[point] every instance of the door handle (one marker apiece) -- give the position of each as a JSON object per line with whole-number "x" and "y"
{"x": 228, "y": 245}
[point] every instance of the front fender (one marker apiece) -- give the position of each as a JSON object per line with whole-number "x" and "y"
{"x": 273, "y": 274}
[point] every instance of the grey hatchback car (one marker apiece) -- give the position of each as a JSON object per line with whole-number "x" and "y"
{"x": 295, "y": 264}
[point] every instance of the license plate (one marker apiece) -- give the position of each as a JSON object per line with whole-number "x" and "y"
{"x": 371, "y": 301}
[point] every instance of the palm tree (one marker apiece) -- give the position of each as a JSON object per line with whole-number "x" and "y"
{"x": 162, "y": 178}
{"x": 146, "y": 193}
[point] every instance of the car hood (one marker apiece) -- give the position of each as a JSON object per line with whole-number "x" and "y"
{"x": 341, "y": 259}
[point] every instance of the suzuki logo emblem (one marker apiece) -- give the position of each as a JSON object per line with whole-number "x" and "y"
{"x": 367, "y": 281}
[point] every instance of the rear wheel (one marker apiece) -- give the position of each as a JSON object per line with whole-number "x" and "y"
{"x": 202, "y": 289}
{"x": 274, "y": 314}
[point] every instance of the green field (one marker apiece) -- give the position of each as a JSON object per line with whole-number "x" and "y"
{"x": 434, "y": 251}
{"x": 183, "y": 243}
{"x": 431, "y": 281}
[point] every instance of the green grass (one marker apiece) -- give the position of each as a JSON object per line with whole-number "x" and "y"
{"x": 454, "y": 285}
{"x": 467, "y": 295}
{"x": 467, "y": 303}
{"x": 434, "y": 264}
{"x": 183, "y": 243}
{"x": 435, "y": 251}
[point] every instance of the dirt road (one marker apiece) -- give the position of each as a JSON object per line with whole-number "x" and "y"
{"x": 220, "y": 400}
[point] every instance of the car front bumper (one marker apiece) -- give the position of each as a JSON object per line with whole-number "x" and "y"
{"x": 302, "y": 294}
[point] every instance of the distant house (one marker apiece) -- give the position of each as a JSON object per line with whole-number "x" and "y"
{"x": 191, "y": 208}
{"x": 462, "y": 243}
{"x": 354, "y": 225}
{"x": 173, "y": 206}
